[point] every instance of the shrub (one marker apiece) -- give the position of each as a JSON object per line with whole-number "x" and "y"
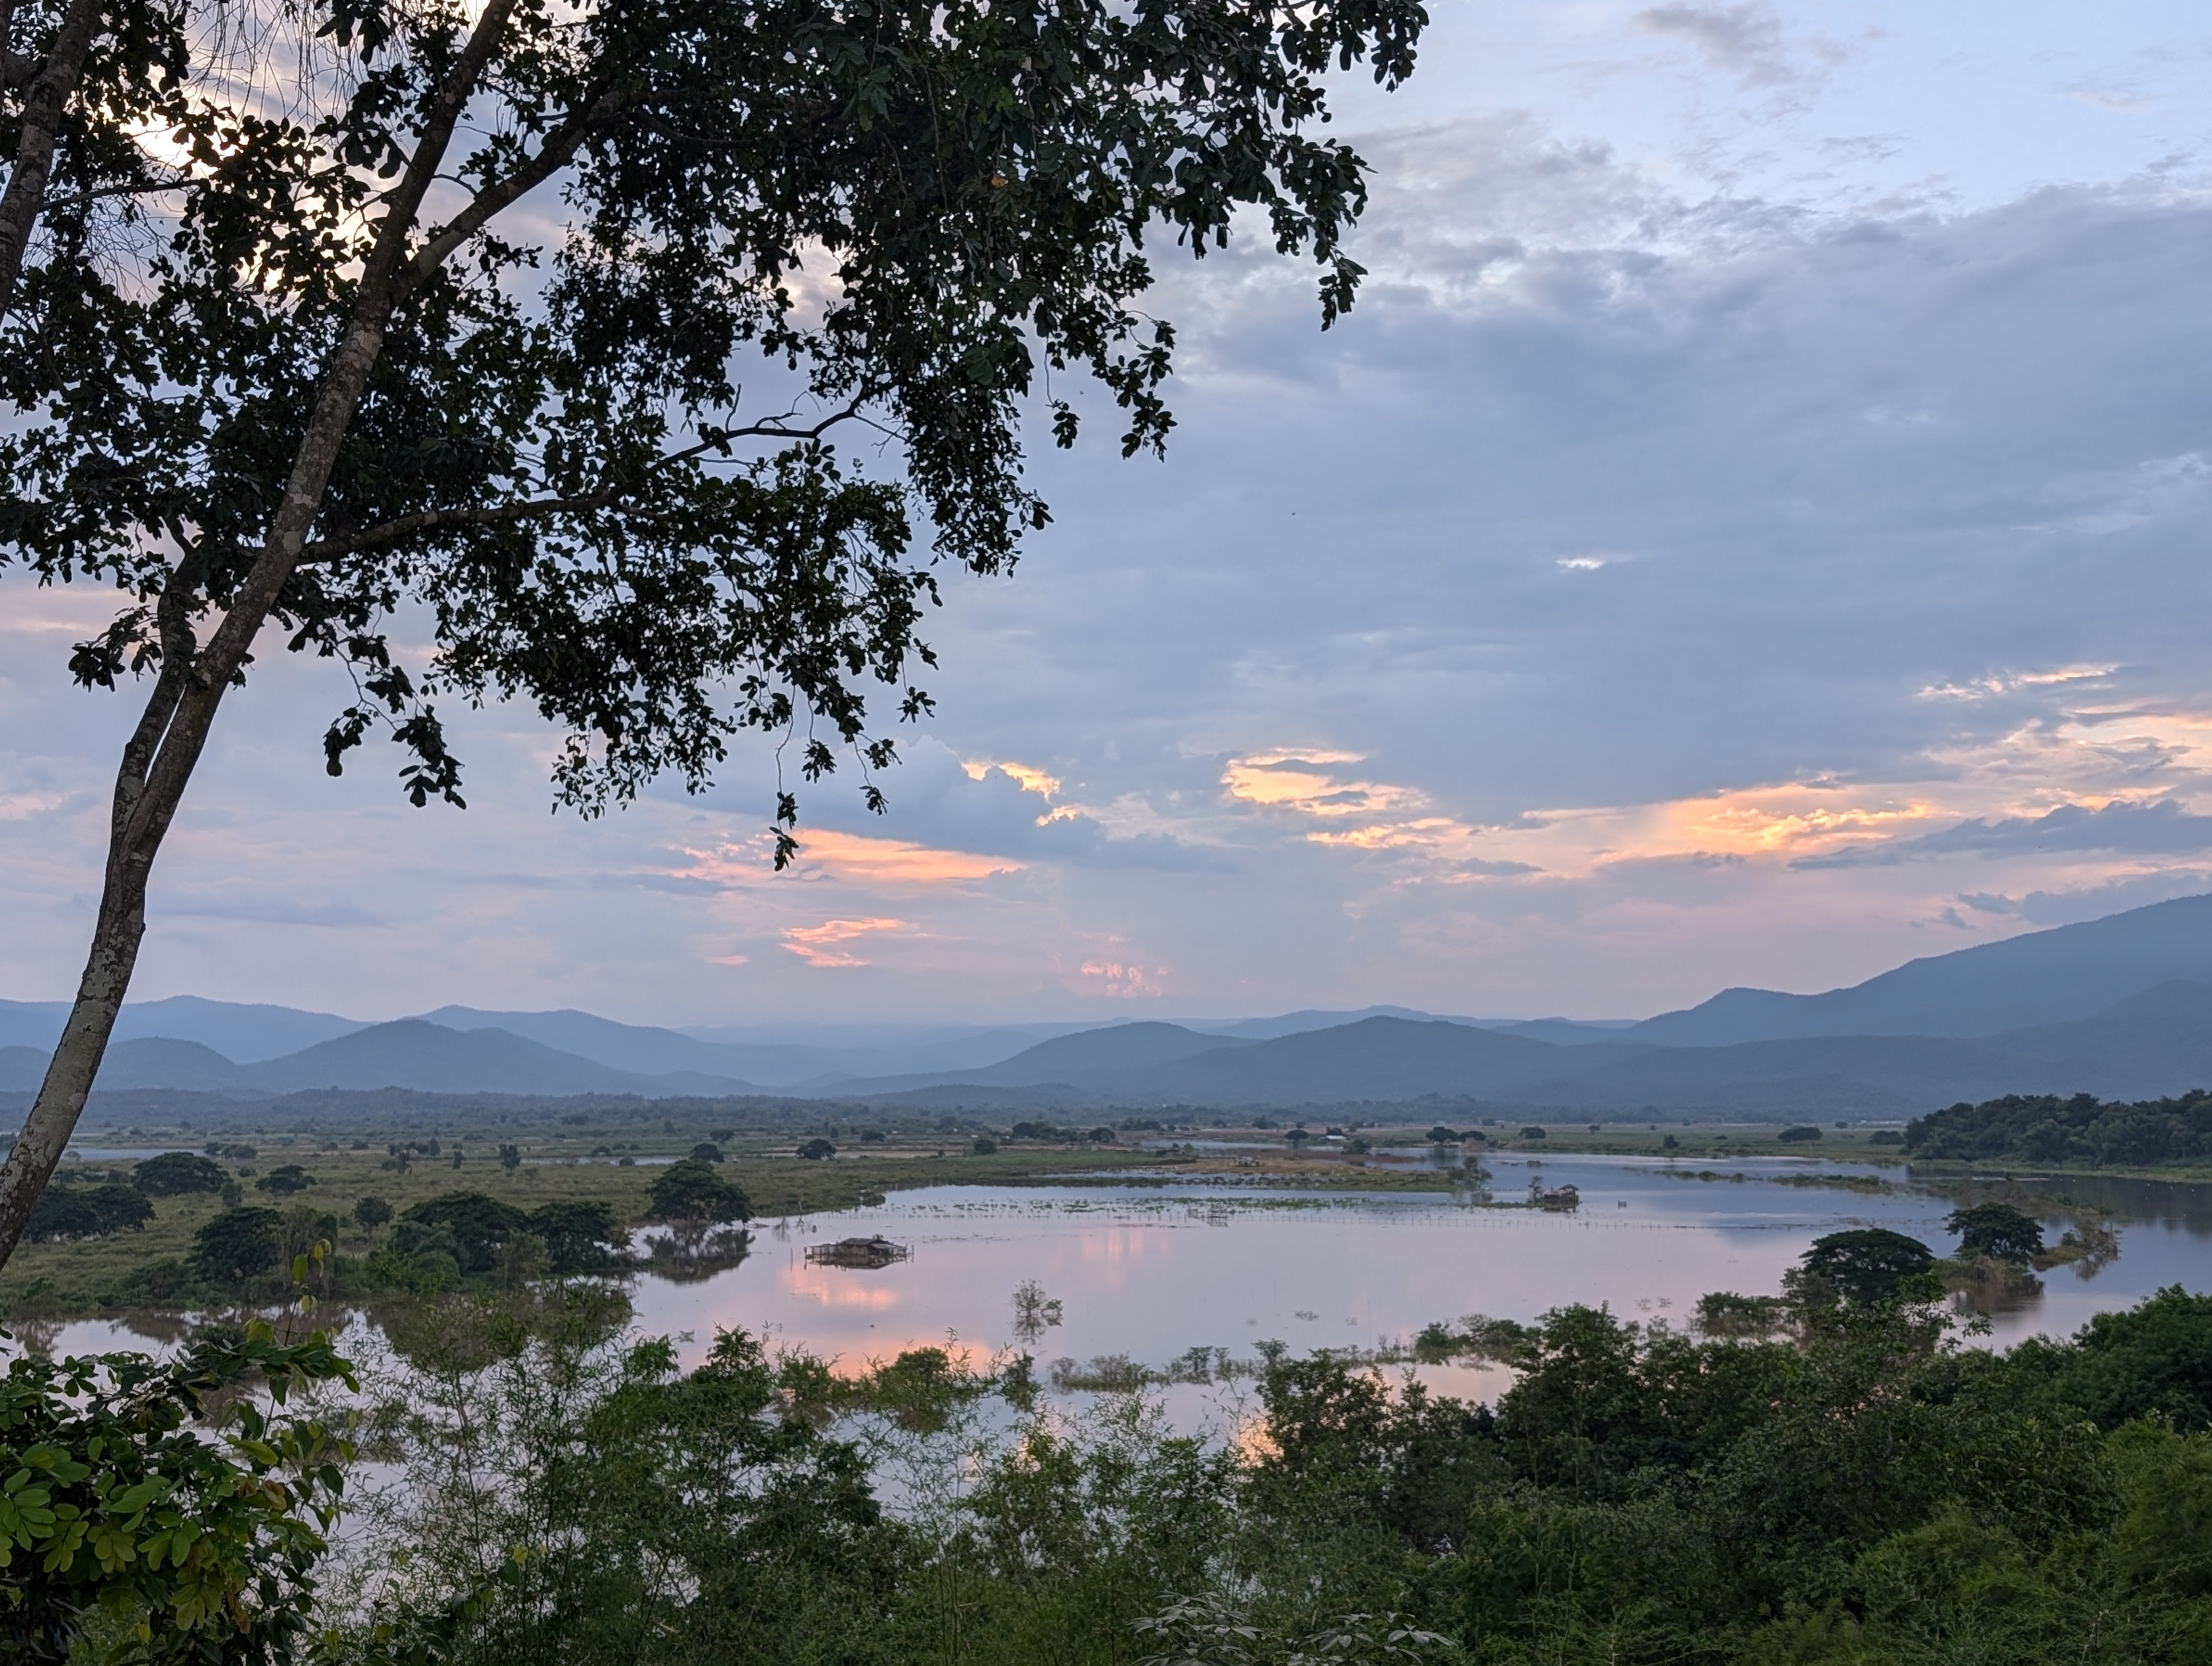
{"x": 175, "y": 1173}
{"x": 1799, "y": 1134}
{"x": 1532, "y": 1132}
{"x": 284, "y": 1181}
{"x": 1886, "y": 1137}
{"x": 983, "y": 1145}
{"x": 816, "y": 1151}
{"x": 705, "y": 1151}
{"x": 371, "y": 1213}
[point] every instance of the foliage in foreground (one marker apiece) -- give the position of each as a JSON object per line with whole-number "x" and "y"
{"x": 1868, "y": 1491}
{"x": 121, "y": 1521}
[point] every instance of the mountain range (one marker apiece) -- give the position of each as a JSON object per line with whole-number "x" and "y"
{"x": 2120, "y": 1007}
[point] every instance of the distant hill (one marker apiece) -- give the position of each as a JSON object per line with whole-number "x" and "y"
{"x": 413, "y": 1053}
{"x": 241, "y": 1032}
{"x": 1291, "y": 1024}
{"x": 2156, "y": 1042}
{"x": 2055, "y": 976}
{"x": 2121, "y": 1007}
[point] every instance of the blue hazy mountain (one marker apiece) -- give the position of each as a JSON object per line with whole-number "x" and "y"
{"x": 240, "y": 1031}
{"x": 431, "y": 1058}
{"x": 2116, "y": 1006}
{"x": 2053, "y": 976}
{"x": 747, "y": 1054}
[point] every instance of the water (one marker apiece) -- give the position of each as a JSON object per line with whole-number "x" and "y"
{"x": 1149, "y": 1272}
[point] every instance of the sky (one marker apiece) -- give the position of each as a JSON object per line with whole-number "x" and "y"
{"x": 1752, "y": 530}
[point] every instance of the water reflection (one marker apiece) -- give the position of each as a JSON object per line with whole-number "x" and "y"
{"x": 1151, "y": 1272}
{"x": 1155, "y": 1273}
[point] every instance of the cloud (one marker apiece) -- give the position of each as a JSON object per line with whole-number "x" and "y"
{"x": 1745, "y": 39}
{"x": 2165, "y": 827}
{"x": 817, "y": 945}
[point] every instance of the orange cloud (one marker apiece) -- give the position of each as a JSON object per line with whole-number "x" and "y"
{"x": 1029, "y": 778}
{"x": 1266, "y": 779}
{"x": 852, "y": 856}
{"x": 816, "y": 944}
{"x": 895, "y": 862}
{"x": 1122, "y": 979}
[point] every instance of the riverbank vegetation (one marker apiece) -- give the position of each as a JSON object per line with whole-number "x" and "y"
{"x": 2081, "y": 1132}
{"x": 1842, "y": 1481}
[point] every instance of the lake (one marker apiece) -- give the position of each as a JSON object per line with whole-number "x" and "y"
{"x": 1151, "y": 1271}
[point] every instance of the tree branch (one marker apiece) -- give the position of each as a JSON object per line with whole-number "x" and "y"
{"x": 506, "y": 514}
{"x": 552, "y": 156}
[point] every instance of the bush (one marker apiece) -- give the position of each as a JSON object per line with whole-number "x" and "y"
{"x": 983, "y": 1145}
{"x": 1532, "y": 1132}
{"x": 1886, "y": 1137}
{"x": 371, "y": 1213}
{"x": 1799, "y": 1134}
{"x": 237, "y": 1244}
{"x": 705, "y": 1151}
{"x": 284, "y": 1181}
{"x": 86, "y": 1212}
{"x": 816, "y": 1151}
{"x": 176, "y": 1173}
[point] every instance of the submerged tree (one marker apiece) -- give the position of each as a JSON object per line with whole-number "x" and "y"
{"x": 287, "y": 348}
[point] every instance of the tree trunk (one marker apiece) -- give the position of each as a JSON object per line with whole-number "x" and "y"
{"x": 163, "y": 752}
{"x": 50, "y": 92}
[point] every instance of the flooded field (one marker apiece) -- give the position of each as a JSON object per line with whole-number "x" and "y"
{"x": 1149, "y": 1272}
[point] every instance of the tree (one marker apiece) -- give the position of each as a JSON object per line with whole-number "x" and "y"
{"x": 175, "y": 1173}
{"x": 281, "y": 379}
{"x": 284, "y": 1179}
{"x": 815, "y": 1151}
{"x": 87, "y": 1212}
{"x": 1997, "y": 1230}
{"x": 478, "y": 1225}
{"x": 690, "y": 1191}
{"x": 238, "y": 1243}
{"x": 1863, "y": 1266}
{"x": 705, "y": 1151}
{"x": 581, "y": 1237}
{"x": 510, "y": 1157}
{"x": 371, "y": 1213}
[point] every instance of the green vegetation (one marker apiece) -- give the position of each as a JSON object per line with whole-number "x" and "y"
{"x": 130, "y": 1534}
{"x": 2082, "y": 1131}
{"x": 1826, "y": 1478}
{"x": 64, "y": 1212}
{"x": 1860, "y": 1491}
{"x": 1997, "y": 1230}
